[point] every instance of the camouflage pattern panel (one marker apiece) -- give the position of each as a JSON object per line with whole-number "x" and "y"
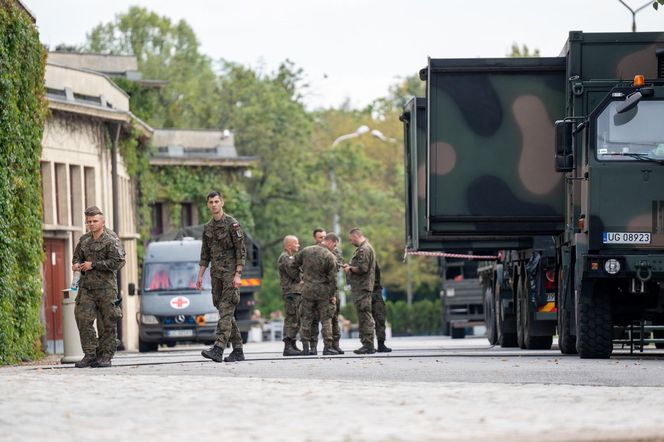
{"x": 418, "y": 237}
{"x": 491, "y": 144}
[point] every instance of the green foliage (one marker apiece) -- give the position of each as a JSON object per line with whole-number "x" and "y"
{"x": 165, "y": 51}
{"x": 22, "y": 112}
{"x": 656, "y": 4}
{"x": 420, "y": 318}
{"x": 522, "y": 51}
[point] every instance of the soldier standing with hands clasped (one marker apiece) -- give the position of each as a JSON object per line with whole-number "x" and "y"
{"x": 98, "y": 256}
{"x": 223, "y": 249}
{"x": 361, "y": 273}
{"x": 290, "y": 278}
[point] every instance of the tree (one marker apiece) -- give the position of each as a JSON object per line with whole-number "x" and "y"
{"x": 522, "y": 51}
{"x": 165, "y": 51}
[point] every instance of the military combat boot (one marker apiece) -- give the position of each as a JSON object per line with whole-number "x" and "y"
{"x": 365, "y": 350}
{"x": 382, "y": 348}
{"x": 305, "y": 348}
{"x": 87, "y": 361}
{"x": 236, "y": 355}
{"x": 215, "y": 353}
{"x": 337, "y": 348}
{"x": 328, "y": 350}
{"x": 290, "y": 349}
{"x": 312, "y": 349}
{"x": 102, "y": 362}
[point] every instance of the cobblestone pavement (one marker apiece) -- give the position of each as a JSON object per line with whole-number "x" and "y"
{"x": 427, "y": 389}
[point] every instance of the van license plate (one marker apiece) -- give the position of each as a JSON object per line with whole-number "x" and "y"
{"x": 179, "y": 333}
{"x": 625, "y": 238}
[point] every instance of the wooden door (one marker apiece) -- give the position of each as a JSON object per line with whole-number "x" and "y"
{"x": 54, "y": 282}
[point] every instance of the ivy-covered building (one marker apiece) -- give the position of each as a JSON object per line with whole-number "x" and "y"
{"x": 82, "y": 164}
{"x": 186, "y": 164}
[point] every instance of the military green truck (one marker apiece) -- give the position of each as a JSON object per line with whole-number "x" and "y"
{"x": 555, "y": 166}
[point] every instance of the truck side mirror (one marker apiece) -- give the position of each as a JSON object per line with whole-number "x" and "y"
{"x": 131, "y": 289}
{"x": 564, "y": 152}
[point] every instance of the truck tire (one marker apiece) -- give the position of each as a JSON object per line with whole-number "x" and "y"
{"x": 594, "y": 338}
{"x": 490, "y": 316}
{"x": 458, "y": 332}
{"x": 505, "y": 340}
{"x": 525, "y": 319}
{"x": 145, "y": 347}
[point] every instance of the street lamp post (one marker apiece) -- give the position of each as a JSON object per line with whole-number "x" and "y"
{"x": 336, "y": 226}
{"x": 634, "y": 12}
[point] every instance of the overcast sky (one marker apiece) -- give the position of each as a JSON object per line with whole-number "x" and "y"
{"x": 356, "y": 48}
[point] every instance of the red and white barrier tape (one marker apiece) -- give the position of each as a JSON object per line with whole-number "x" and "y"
{"x": 451, "y": 255}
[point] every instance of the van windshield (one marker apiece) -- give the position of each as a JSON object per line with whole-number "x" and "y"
{"x": 632, "y": 135}
{"x": 174, "y": 276}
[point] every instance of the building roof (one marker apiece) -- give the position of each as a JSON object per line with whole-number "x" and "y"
{"x": 119, "y": 65}
{"x": 196, "y": 148}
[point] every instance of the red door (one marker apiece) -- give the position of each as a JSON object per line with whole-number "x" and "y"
{"x": 54, "y": 283}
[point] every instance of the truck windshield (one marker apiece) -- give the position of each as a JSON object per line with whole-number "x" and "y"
{"x": 174, "y": 276}
{"x": 637, "y": 134}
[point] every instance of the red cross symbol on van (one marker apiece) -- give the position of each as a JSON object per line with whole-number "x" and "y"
{"x": 179, "y": 302}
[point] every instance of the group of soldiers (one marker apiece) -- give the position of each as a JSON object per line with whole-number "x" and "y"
{"x": 311, "y": 297}
{"x": 308, "y": 282}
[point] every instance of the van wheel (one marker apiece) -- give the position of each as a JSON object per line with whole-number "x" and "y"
{"x": 145, "y": 347}
{"x": 490, "y": 316}
{"x": 458, "y": 333}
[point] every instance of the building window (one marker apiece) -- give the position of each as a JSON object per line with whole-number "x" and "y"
{"x": 157, "y": 219}
{"x": 186, "y": 214}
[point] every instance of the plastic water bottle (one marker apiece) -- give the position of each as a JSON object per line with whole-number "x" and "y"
{"x": 75, "y": 281}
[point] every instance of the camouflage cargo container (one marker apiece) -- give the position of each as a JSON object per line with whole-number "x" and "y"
{"x": 585, "y": 228}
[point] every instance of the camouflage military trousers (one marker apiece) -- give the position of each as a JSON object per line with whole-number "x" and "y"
{"x": 292, "y": 320}
{"x": 226, "y": 297}
{"x": 378, "y": 313}
{"x": 316, "y": 308}
{"x": 336, "y": 332}
{"x": 362, "y": 301}
{"x": 97, "y": 304}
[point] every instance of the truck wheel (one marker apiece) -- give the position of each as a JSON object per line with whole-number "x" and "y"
{"x": 525, "y": 319}
{"x": 458, "y": 333}
{"x": 505, "y": 340}
{"x": 566, "y": 340}
{"x": 145, "y": 347}
{"x": 594, "y": 338}
{"x": 490, "y": 316}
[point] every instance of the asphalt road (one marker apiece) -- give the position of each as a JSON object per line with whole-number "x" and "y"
{"x": 426, "y": 389}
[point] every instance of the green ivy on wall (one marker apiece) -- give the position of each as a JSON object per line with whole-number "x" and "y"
{"x": 22, "y": 113}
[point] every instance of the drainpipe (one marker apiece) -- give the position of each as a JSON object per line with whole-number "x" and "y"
{"x": 116, "y": 213}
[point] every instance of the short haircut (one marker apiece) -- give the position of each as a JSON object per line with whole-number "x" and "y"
{"x": 93, "y": 211}
{"x": 288, "y": 239}
{"x": 331, "y": 237}
{"x": 317, "y": 230}
{"x": 356, "y": 231}
{"x": 213, "y": 194}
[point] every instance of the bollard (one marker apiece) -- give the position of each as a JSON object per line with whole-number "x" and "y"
{"x": 70, "y": 336}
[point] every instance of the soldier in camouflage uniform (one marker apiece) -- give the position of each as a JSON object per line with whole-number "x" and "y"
{"x": 361, "y": 273}
{"x": 98, "y": 256}
{"x": 319, "y": 272}
{"x": 290, "y": 278}
{"x": 319, "y": 234}
{"x": 223, "y": 249}
{"x": 378, "y": 312}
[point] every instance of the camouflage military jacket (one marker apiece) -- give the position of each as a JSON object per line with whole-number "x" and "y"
{"x": 290, "y": 276}
{"x": 107, "y": 256}
{"x": 222, "y": 246}
{"x": 319, "y": 270}
{"x": 364, "y": 261}
{"x": 377, "y": 285}
{"x": 338, "y": 257}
